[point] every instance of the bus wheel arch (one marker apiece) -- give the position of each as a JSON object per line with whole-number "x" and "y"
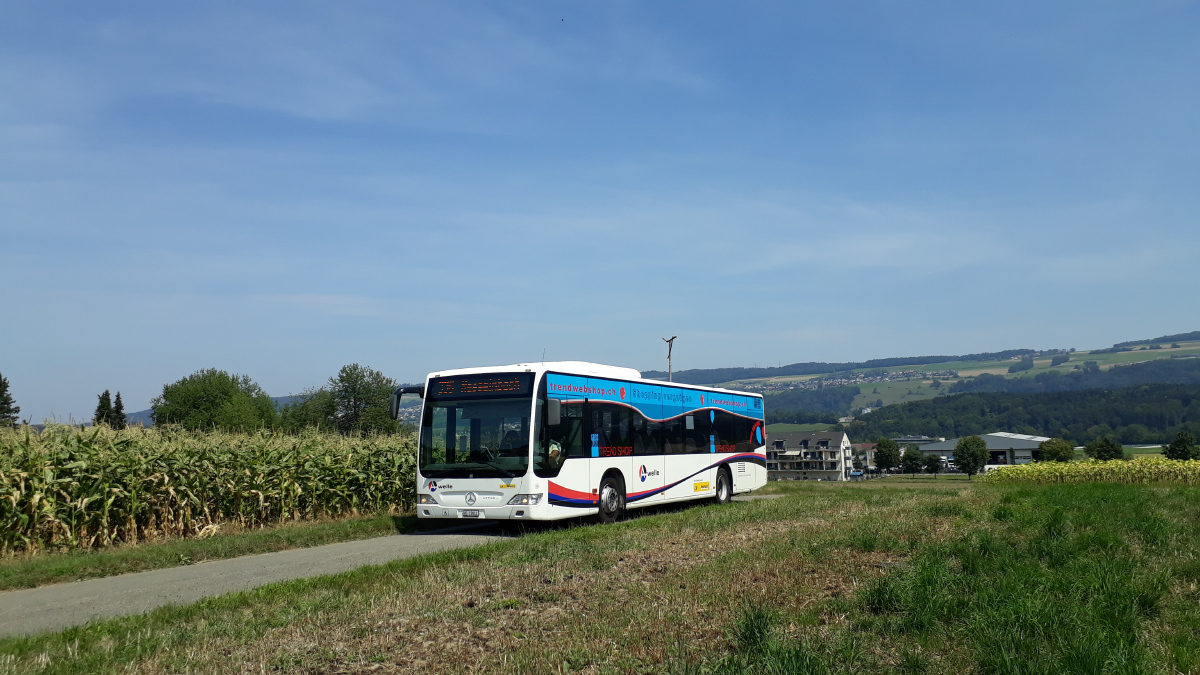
{"x": 724, "y": 485}
{"x": 611, "y": 497}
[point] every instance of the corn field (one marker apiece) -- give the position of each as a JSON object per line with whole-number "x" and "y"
{"x": 1152, "y": 469}
{"x": 69, "y": 488}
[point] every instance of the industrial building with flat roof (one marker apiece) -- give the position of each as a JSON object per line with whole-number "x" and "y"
{"x": 1003, "y": 448}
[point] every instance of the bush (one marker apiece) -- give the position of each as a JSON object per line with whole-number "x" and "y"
{"x": 1057, "y": 450}
{"x": 70, "y": 488}
{"x": 1059, "y": 360}
{"x": 1182, "y": 448}
{"x": 1103, "y": 449}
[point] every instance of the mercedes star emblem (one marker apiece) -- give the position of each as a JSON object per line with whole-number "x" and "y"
{"x": 470, "y": 499}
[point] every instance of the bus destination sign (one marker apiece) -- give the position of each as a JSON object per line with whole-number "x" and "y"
{"x": 482, "y": 386}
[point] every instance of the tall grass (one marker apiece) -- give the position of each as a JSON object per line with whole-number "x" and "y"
{"x": 70, "y": 488}
{"x": 1142, "y": 470}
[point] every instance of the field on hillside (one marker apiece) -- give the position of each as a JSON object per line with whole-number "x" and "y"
{"x": 967, "y": 369}
{"x": 889, "y": 576}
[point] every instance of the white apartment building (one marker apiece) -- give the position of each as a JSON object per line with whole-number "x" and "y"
{"x": 819, "y": 455}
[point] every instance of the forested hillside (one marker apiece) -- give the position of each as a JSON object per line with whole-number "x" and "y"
{"x": 1151, "y": 413}
{"x": 833, "y": 401}
{"x": 1163, "y": 371}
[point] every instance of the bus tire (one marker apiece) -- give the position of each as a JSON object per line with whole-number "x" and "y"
{"x": 611, "y": 499}
{"x": 724, "y": 487}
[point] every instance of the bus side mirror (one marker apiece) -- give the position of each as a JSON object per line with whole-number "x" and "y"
{"x": 553, "y": 412}
{"x": 394, "y": 406}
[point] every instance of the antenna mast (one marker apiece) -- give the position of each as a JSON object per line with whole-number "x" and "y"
{"x": 670, "y": 347}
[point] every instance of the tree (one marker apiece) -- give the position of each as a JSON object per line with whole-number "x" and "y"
{"x": 1091, "y": 367}
{"x": 1057, "y": 450}
{"x": 857, "y": 463}
{"x": 103, "y": 409}
{"x": 361, "y": 397}
{"x": 1026, "y": 363}
{"x": 1104, "y": 448}
{"x": 887, "y": 454}
{"x": 1183, "y": 447}
{"x": 8, "y": 408}
{"x": 214, "y": 399}
{"x": 971, "y": 455}
{"x": 1059, "y": 359}
{"x": 118, "y": 413}
{"x": 314, "y": 408}
{"x": 933, "y": 464}
{"x": 936, "y": 384}
{"x": 913, "y": 460}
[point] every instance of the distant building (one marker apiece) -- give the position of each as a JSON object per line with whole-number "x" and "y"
{"x": 865, "y": 411}
{"x": 1003, "y": 448}
{"x": 820, "y": 455}
{"x": 845, "y": 420}
{"x": 865, "y": 450}
{"x": 916, "y": 440}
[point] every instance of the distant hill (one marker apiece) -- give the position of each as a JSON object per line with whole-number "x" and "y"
{"x": 1180, "y": 337}
{"x": 719, "y": 375}
{"x": 1143, "y": 414}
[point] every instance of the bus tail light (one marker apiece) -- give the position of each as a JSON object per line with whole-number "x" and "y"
{"x": 525, "y": 500}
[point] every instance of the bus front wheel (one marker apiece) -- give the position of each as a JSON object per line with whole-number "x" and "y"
{"x": 612, "y": 499}
{"x": 724, "y": 488}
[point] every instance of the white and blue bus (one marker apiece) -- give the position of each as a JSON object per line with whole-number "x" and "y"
{"x": 565, "y": 439}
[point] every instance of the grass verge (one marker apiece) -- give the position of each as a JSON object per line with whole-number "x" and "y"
{"x": 28, "y": 571}
{"x": 830, "y": 578}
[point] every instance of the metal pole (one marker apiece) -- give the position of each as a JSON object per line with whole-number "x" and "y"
{"x": 670, "y": 346}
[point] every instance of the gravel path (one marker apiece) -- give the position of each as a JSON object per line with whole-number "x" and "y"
{"x": 37, "y": 610}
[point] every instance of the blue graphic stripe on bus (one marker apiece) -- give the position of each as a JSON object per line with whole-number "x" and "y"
{"x": 656, "y": 402}
{"x": 745, "y": 457}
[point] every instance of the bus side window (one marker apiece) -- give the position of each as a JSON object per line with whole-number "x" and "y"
{"x": 673, "y": 436}
{"x": 571, "y": 437}
{"x": 559, "y": 442}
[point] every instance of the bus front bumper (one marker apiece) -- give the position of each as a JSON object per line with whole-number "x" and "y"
{"x": 467, "y": 513}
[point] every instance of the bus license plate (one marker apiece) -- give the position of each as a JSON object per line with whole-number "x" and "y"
{"x": 471, "y": 514}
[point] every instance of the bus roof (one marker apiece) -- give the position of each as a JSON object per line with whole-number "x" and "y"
{"x": 582, "y": 368}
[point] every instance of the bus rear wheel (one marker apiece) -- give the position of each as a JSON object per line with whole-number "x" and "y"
{"x": 612, "y": 499}
{"x": 724, "y": 488}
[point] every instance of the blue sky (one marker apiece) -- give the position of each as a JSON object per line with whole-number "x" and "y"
{"x": 279, "y": 189}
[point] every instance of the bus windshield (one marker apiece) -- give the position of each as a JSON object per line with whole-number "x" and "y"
{"x": 475, "y": 427}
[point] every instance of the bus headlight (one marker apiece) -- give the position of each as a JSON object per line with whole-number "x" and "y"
{"x": 525, "y": 500}
{"x": 426, "y": 499}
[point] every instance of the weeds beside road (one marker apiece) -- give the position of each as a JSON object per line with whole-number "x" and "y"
{"x": 886, "y": 576}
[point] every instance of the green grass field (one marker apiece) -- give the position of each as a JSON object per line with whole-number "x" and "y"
{"x": 887, "y": 576}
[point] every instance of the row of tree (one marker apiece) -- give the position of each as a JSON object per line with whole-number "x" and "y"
{"x": 971, "y": 453}
{"x": 354, "y": 401}
{"x": 110, "y": 412}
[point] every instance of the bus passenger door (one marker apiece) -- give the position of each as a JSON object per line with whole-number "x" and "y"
{"x": 649, "y": 476}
